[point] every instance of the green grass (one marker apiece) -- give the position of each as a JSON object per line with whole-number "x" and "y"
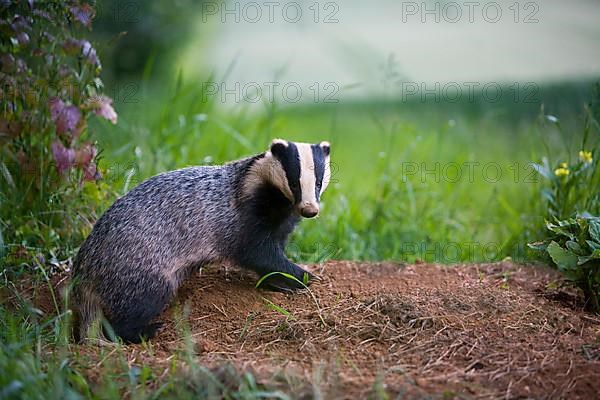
{"x": 431, "y": 181}
{"x": 376, "y": 208}
{"x": 38, "y": 361}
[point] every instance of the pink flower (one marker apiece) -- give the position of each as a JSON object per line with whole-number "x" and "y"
{"x": 64, "y": 158}
{"x": 66, "y": 118}
{"x": 85, "y": 155}
{"x": 91, "y": 173}
{"x": 83, "y": 14}
{"x": 102, "y": 106}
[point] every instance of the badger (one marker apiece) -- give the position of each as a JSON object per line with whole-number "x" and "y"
{"x": 150, "y": 240}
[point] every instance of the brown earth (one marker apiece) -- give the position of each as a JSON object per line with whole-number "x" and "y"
{"x": 473, "y": 331}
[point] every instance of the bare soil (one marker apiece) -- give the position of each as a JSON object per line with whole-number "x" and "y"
{"x": 473, "y": 331}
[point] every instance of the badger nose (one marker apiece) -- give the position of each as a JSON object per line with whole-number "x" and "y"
{"x": 309, "y": 211}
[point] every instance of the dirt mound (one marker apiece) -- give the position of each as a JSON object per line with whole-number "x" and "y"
{"x": 496, "y": 330}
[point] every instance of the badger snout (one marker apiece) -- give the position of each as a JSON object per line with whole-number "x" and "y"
{"x": 309, "y": 210}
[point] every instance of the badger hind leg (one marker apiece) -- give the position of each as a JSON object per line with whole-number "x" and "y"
{"x": 131, "y": 333}
{"x": 87, "y": 318}
{"x": 130, "y": 312}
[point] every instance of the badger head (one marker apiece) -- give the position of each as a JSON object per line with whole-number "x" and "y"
{"x": 300, "y": 171}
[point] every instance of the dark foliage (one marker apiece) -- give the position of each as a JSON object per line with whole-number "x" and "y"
{"x": 49, "y": 85}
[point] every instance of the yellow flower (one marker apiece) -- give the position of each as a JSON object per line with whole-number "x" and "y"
{"x": 562, "y": 171}
{"x": 585, "y": 157}
{"x": 564, "y": 165}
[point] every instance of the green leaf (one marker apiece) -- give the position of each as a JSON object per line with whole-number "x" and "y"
{"x": 574, "y": 247}
{"x": 305, "y": 278}
{"x": 549, "y": 196}
{"x": 583, "y": 260}
{"x": 593, "y": 245}
{"x": 562, "y": 227}
{"x": 543, "y": 170}
{"x": 594, "y": 229}
{"x": 2, "y": 251}
{"x": 7, "y": 176}
{"x": 564, "y": 259}
{"x": 567, "y": 222}
{"x": 594, "y": 256}
{"x": 284, "y": 274}
{"x": 541, "y": 246}
{"x": 278, "y": 309}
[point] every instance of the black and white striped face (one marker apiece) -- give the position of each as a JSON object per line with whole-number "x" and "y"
{"x": 303, "y": 174}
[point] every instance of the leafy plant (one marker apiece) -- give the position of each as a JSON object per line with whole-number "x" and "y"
{"x": 572, "y": 186}
{"x": 572, "y": 197}
{"x": 49, "y": 86}
{"x": 575, "y": 249}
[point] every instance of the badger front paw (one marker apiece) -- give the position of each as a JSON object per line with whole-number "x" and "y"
{"x": 283, "y": 282}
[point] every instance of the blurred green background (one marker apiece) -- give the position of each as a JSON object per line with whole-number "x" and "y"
{"x": 435, "y": 110}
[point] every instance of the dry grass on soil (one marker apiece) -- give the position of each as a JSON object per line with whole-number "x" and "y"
{"x": 485, "y": 331}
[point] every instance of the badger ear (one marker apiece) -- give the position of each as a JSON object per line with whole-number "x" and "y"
{"x": 326, "y": 147}
{"x": 278, "y": 146}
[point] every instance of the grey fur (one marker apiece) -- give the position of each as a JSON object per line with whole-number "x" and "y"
{"x": 150, "y": 240}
